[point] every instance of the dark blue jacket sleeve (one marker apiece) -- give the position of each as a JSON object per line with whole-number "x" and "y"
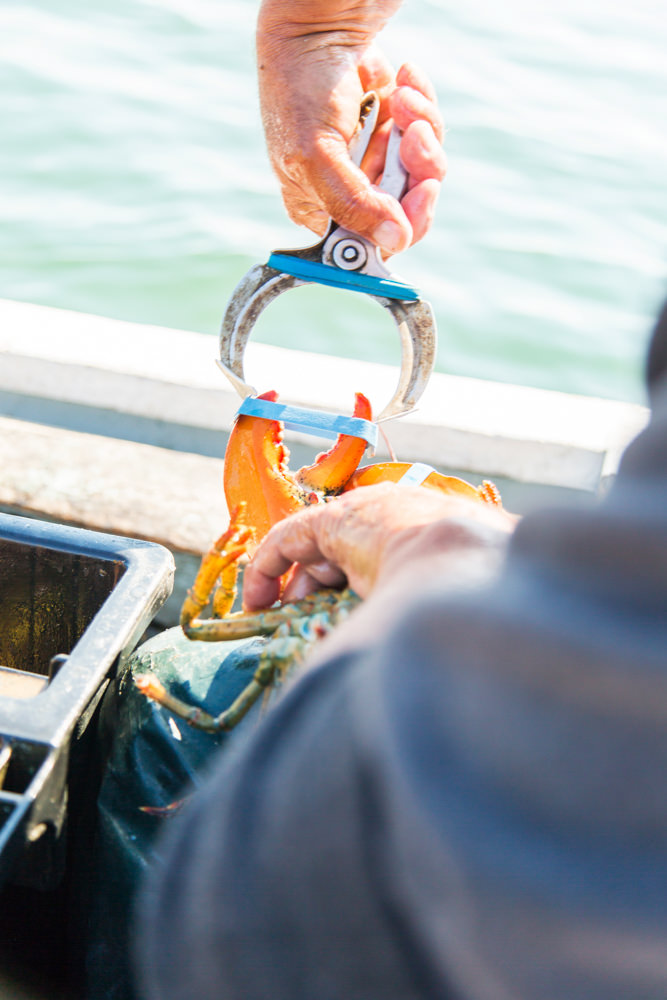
{"x": 474, "y": 808}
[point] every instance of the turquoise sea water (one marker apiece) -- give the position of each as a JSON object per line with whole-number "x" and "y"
{"x": 134, "y": 181}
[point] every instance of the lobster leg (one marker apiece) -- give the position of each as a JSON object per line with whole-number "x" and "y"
{"x": 220, "y": 563}
{"x": 199, "y": 718}
{"x": 272, "y": 661}
{"x": 293, "y": 628}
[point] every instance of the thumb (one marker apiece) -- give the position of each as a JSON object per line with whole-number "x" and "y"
{"x": 353, "y": 202}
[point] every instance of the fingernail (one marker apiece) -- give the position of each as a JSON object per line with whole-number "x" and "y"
{"x": 389, "y": 236}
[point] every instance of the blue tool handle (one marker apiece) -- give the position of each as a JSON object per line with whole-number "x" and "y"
{"x": 353, "y": 281}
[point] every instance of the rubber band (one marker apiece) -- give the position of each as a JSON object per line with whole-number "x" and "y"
{"x": 317, "y": 422}
{"x": 416, "y": 475}
{"x": 353, "y": 281}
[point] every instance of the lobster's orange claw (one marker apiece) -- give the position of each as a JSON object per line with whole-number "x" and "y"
{"x": 332, "y": 469}
{"x": 256, "y": 472}
{"x": 393, "y": 471}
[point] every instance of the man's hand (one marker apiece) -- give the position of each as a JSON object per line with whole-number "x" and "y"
{"x": 316, "y": 59}
{"x": 371, "y": 535}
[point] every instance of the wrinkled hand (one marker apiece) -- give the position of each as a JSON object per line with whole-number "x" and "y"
{"x": 315, "y": 63}
{"x": 369, "y": 534}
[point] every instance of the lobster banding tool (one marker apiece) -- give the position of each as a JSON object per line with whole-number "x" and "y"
{"x": 342, "y": 259}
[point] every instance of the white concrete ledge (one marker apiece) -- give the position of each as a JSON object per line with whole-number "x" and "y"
{"x": 170, "y": 376}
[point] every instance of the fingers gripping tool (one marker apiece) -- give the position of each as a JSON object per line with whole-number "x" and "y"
{"x": 342, "y": 259}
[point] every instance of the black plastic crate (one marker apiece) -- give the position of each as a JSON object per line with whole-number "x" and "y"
{"x": 73, "y": 605}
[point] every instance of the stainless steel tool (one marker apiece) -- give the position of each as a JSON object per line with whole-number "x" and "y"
{"x": 344, "y": 260}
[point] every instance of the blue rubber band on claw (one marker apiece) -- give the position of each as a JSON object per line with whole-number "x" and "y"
{"x": 317, "y": 422}
{"x": 416, "y": 474}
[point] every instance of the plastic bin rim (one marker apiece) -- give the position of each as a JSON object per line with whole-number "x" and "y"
{"x": 145, "y": 584}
